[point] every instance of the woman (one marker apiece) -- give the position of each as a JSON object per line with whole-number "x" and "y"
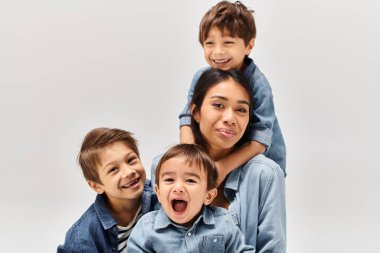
{"x": 254, "y": 194}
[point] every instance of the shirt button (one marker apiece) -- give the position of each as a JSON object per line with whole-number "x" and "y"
{"x": 215, "y": 240}
{"x": 189, "y": 234}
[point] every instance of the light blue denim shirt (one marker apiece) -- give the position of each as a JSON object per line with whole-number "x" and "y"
{"x": 96, "y": 230}
{"x": 265, "y": 126}
{"x": 213, "y": 231}
{"x": 256, "y": 192}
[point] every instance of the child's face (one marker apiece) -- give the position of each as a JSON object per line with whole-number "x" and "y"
{"x": 121, "y": 173}
{"x": 182, "y": 191}
{"x": 224, "y": 52}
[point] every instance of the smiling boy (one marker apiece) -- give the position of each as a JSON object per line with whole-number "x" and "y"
{"x": 227, "y": 33}
{"x": 185, "y": 186}
{"x": 110, "y": 163}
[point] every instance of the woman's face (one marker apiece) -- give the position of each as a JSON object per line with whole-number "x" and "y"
{"x": 223, "y": 117}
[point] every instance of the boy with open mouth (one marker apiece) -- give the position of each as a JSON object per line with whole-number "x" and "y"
{"x": 185, "y": 186}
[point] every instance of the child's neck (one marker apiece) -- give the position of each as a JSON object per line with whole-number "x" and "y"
{"x": 124, "y": 211}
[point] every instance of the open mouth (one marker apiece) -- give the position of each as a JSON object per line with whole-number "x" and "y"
{"x": 131, "y": 184}
{"x": 179, "y": 206}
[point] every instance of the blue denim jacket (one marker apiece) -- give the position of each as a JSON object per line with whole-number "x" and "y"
{"x": 265, "y": 127}
{"x": 213, "y": 231}
{"x": 96, "y": 230}
{"x": 256, "y": 192}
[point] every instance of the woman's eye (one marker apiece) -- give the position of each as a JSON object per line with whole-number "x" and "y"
{"x": 242, "y": 110}
{"x": 217, "y": 105}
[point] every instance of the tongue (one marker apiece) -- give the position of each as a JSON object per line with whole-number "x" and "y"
{"x": 179, "y": 205}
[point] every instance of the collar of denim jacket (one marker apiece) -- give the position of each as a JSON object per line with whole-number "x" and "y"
{"x": 232, "y": 181}
{"x": 103, "y": 213}
{"x": 250, "y": 67}
{"x": 163, "y": 221}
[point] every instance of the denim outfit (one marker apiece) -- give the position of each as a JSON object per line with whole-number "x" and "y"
{"x": 213, "y": 231}
{"x": 265, "y": 127}
{"x": 96, "y": 230}
{"x": 256, "y": 193}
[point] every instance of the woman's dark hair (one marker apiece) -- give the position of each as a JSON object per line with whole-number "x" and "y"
{"x": 207, "y": 80}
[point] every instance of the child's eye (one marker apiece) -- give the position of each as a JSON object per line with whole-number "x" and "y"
{"x": 113, "y": 170}
{"x": 229, "y": 42}
{"x": 132, "y": 160}
{"x": 168, "y": 179}
{"x": 209, "y": 43}
{"x": 190, "y": 180}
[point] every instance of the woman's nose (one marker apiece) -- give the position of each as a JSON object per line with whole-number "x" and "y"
{"x": 229, "y": 117}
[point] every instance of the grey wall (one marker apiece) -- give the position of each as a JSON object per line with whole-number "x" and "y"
{"x": 69, "y": 66}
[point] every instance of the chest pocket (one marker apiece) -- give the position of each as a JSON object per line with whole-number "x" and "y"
{"x": 214, "y": 243}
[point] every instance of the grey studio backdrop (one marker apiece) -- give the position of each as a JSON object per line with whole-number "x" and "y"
{"x": 69, "y": 66}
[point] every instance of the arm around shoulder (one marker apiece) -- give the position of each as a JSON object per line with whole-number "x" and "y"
{"x": 185, "y": 115}
{"x": 186, "y": 135}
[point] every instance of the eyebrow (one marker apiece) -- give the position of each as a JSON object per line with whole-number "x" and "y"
{"x": 126, "y": 155}
{"x": 187, "y": 174}
{"x": 226, "y": 99}
{"x": 193, "y": 174}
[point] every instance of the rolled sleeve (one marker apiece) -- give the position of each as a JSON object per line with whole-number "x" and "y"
{"x": 185, "y": 115}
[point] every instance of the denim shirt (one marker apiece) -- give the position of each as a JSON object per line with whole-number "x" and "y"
{"x": 256, "y": 192}
{"x": 265, "y": 126}
{"x": 213, "y": 231}
{"x": 96, "y": 230}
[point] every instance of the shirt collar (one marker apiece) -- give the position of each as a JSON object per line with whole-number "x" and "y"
{"x": 163, "y": 221}
{"x": 232, "y": 181}
{"x": 105, "y": 216}
{"x": 250, "y": 66}
{"x": 103, "y": 213}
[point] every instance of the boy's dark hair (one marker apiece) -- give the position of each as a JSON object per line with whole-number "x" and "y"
{"x": 95, "y": 142}
{"x": 233, "y": 18}
{"x": 191, "y": 153}
{"x": 207, "y": 80}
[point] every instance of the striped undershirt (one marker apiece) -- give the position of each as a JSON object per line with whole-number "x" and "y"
{"x": 124, "y": 232}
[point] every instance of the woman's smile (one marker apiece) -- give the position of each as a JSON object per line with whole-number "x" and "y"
{"x": 227, "y": 133}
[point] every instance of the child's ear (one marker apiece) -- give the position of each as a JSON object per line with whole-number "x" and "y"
{"x": 157, "y": 190}
{"x": 250, "y": 46}
{"x": 196, "y": 114}
{"x": 211, "y": 194}
{"x": 96, "y": 186}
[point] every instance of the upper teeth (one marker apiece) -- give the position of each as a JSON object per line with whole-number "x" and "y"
{"x": 130, "y": 183}
{"x": 221, "y": 61}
